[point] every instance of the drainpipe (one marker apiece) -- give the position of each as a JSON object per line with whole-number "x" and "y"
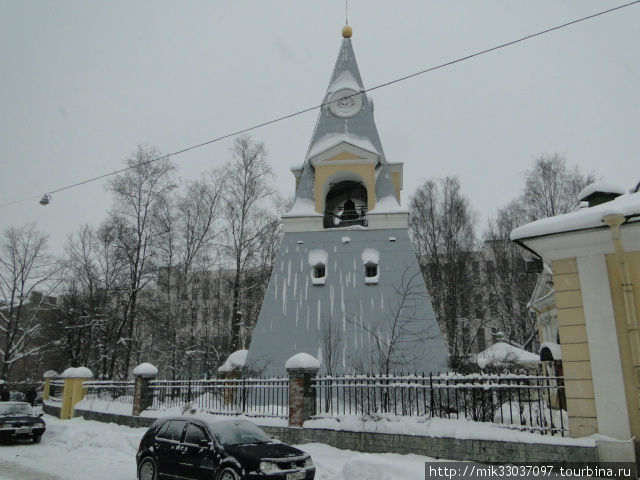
{"x": 614, "y": 221}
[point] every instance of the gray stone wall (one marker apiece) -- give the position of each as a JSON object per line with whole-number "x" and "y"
{"x": 484, "y": 451}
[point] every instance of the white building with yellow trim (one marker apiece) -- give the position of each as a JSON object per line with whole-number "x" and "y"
{"x": 594, "y": 256}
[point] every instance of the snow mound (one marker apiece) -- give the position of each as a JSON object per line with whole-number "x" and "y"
{"x": 51, "y": 374}
{"x": 346, "y": 239}
{"x": 235, "y": 361}
{"x": 80, "y": 372}
{"x": 318, "y": 257}
{"x": 370, "y": 255}
{"x": 145, "y": 370}
{"x": 302, "y": 360}
{"x": 302, "y": 207}
{"x": 388, "y": 204}
{"x": 503, "y": 352}
{"x": 344, "y": 80}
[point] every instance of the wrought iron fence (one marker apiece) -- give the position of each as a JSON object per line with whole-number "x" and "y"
{"x": 56, "y": 388}
{"x": 521, "y": 402}
{"x": 264, "y": 397}
{"x": 101, "y": 392}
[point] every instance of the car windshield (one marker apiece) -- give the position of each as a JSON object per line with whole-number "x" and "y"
{"x": 15, "y": 408}
{"x": 239, "y": 433}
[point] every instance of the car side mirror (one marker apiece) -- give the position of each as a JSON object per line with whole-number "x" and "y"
{"x": 203, "y": 442}
{"x": 41, "y": 414}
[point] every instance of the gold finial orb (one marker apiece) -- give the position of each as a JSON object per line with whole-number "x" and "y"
{"x": 347, "y": 32}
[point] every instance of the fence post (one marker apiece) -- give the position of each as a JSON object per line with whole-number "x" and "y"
{"x": 302, "y": 368}
{"x": 73, "y": 392}
{"x": 48, "y": 375}
{"x": 142, "y": 394}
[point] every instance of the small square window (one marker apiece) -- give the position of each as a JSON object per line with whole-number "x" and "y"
{"x": 319, "y": 271}
{"x": 370, "y": 270}
{"x": 319, "y": 274}
{"x": 371, "y": 273}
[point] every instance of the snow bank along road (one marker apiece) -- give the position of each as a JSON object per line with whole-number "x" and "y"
{"x": 81, "y": 449}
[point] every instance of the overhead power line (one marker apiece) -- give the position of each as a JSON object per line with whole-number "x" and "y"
{"x": 309, "y": 109}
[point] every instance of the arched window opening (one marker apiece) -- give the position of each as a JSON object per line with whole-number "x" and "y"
{"x": 319, "y": 271}
{"x": 346, "y": 205}
{"x": 371, "y": 272}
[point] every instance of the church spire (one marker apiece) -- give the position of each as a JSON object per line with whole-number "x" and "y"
{"x": 345, "y": 139}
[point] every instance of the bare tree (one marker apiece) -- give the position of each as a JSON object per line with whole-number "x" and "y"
{"x": 330, "y": 339}
{"x": 510, "y": 287}
{"x": 189, "y": 231}
{"x": 28, "y": 276}
{"x": 443, "y": 235}
{"x": 397, "y": 339}
{"x": 137, "y": 193}
{"x": 247, "y": 194}
{"x": 551, "y": 188}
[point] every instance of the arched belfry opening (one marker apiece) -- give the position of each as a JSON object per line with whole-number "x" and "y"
{"x": 345, "y": 205}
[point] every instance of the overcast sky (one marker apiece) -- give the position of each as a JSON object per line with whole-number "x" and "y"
{"x": 83, "y": 83}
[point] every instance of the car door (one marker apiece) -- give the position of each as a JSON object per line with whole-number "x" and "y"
{"x": 167, "y": 445}
{"x": 199, "y": 460}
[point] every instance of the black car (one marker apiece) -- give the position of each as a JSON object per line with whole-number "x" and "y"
{"x": 195, "y": 448}
{"x": 19, "y": 421}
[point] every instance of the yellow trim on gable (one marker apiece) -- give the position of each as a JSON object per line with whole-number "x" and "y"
{"x": 344, "y": 156}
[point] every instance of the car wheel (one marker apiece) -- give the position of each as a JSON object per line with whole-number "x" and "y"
{"x": 147, "y": 469}
{"x": 228, "y": 473}
{"x": 37, "y": 438}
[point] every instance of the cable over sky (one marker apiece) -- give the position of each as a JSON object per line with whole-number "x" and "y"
{"x": 315, "y": 107}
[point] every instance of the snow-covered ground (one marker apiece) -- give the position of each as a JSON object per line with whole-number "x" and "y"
{"x": 81, "y": 449}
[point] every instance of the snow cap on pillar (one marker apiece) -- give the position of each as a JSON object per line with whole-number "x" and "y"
{"x": 80, "y": 372}
{"x": 302, "y": 361}
{"x": 50, "y": 374}
{"x": 145, "y": 370}
{"x": 235, "y": 361}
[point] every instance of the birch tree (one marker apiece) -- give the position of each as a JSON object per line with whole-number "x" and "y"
{"x": 247, "y": 198}
{"x": 28, "y": 276}
{"x": 443, "y": 236}
{"x": 137, "y": 193}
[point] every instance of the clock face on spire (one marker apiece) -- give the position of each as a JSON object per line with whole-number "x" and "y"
{"x": 345, "y": 103}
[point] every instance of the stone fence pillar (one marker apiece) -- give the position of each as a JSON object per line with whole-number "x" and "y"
{"x": 302, "y": 368}
{"x": 73, "y": 391}
{"x": 48, "y": 375}
{"x": 142, "y": 394}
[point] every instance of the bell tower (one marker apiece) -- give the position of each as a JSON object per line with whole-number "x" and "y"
{"x": 346, "y": 267}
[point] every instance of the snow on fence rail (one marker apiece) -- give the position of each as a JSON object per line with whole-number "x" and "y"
{"x": 521, "y": 402}
{"x": 260, "y": 397}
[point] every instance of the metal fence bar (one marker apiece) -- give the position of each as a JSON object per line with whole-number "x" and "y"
{"x": 482, "y": 398}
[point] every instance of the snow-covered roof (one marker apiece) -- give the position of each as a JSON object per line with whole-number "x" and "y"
{"x": 502, "y": 352}
{"x": 145, "y": 370}
{"x": 627, "y": 205}
{"x": 302, "y": 360}
{"x": 554, "y": 348}
{"x": 330, "y": 140}
{"x": 600, "y": 187}
{"x": 235, "y": 361}
{"x": 302, "y": 207}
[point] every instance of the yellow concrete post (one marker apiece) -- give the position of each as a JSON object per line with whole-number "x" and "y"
{"x": 73, "y": 391}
